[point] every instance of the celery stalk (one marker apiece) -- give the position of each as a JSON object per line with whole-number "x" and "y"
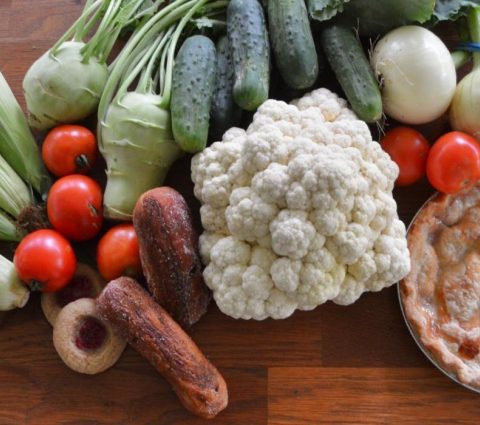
{"x": 17, "y": 144}
{"x": 13, "y": 293}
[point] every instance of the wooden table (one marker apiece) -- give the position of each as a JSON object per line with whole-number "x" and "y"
{"x": 345, "y": 365}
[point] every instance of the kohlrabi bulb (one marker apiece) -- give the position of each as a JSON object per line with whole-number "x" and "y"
{"x": 138, "y": 147}
{"x": 465, "y": 108}
{"x": 61, "y": 88}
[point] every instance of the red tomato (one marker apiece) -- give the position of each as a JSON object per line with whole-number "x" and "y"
{"x": 45, "y": 261}
{"x": 69, "y": 149}
{"x": 454, "y": 162}
{"x": 118, "y": 253}
{"x": 74, "y": 207}
{"x": 409, "y": 150}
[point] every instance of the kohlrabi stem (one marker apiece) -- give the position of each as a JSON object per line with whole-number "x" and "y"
{"x": 135, "y": 68}
{"x": 85, "y": 28}
{"x": 79, "y": 29}
{"x": 108, "y": 44}
{"x": 166, "y": 85}
{"x": 104, "y": 29}
{"x": 149, "y": 10}
{"x": 71, "y": 31}
{"x": 474, "y": 27}
{"x": 162, "y": 68}
{"x": 145, "y": 83}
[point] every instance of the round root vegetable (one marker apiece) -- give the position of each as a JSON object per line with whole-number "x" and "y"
{"x": 85, "y": 284}
{"x": 65, "y": 84}
{"x": 417, "y": 74}
{"x": 86, "y": 343}
{"x": 139, "y": 149}
{"x": 465, "y": 108}
{"x": 60, "y": 88}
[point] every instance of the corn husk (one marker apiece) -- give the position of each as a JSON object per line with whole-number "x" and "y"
{"x": 17, "y": 144}
{"x": 13, "y": 293}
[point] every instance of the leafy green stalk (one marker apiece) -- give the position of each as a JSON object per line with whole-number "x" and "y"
{"x": 17, "y": 144}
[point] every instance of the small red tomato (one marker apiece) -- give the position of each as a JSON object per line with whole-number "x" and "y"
{"x": 118, "y": 253}
{"x": 45, "y": 261}
{"x": 409, "y": 150}
{"x": 74, "y": 207}
{"x": 69, "y": 149}
{"x": 454, "y": 162}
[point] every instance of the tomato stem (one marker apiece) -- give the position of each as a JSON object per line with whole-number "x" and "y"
{"x": 81, "y": 161}
{"x": 35, "y": 286}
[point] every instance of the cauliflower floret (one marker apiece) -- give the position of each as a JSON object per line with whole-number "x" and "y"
{"x": 257, "y": 283}
{"x": 272, "y": 184}
{"x": 292, "y": 234}
{"x": 207, "y": 241}
{"x": 213, "y": 219}
{"x": 248, "y": 215}
{"x": 298, "y": 210}
{"x": 285, "y": 274}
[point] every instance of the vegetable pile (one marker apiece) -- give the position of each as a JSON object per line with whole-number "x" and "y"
{"x": 296, "y": 198}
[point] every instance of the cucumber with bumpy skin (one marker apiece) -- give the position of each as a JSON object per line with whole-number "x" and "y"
{"x": 352, "y": 69}
{"x": 192, "y": 92}
{"x": 225, "y": 112}
{"x": 248, "y": 38}
{"x": 292, "y": 42}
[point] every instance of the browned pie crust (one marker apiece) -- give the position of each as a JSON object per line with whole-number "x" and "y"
{"x": 441, "y": 294}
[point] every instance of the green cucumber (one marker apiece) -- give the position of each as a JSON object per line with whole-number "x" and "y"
{"x": 248, "y": 38}
{"x": 351, "y": 67}
{"x": 292, "y": 42}
{"x": 225, "y": 112}
{"x": 192, "y": 92}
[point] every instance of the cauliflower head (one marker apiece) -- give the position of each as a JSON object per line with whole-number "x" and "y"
{"x": 298, "y": 210}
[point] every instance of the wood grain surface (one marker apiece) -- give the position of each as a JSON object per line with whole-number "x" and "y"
{"x": 335, "y": 365}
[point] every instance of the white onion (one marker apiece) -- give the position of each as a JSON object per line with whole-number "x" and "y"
{"x": 417, "y": 74}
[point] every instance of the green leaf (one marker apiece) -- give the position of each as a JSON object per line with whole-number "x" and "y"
{"x": 323, "y": 10}
{"x": 450, "y": 10}
{"x": 383, "y": 15}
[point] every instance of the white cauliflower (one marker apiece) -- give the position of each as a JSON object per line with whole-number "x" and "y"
{"x": 298, "y": 210}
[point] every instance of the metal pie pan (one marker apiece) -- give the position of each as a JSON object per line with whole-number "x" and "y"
{"x": 412, "y": 331}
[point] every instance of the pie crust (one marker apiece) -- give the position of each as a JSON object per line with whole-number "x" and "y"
{"x": 441, "y": 294}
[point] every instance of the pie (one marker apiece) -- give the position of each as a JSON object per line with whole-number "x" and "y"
{"x": 441, "y": 294}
